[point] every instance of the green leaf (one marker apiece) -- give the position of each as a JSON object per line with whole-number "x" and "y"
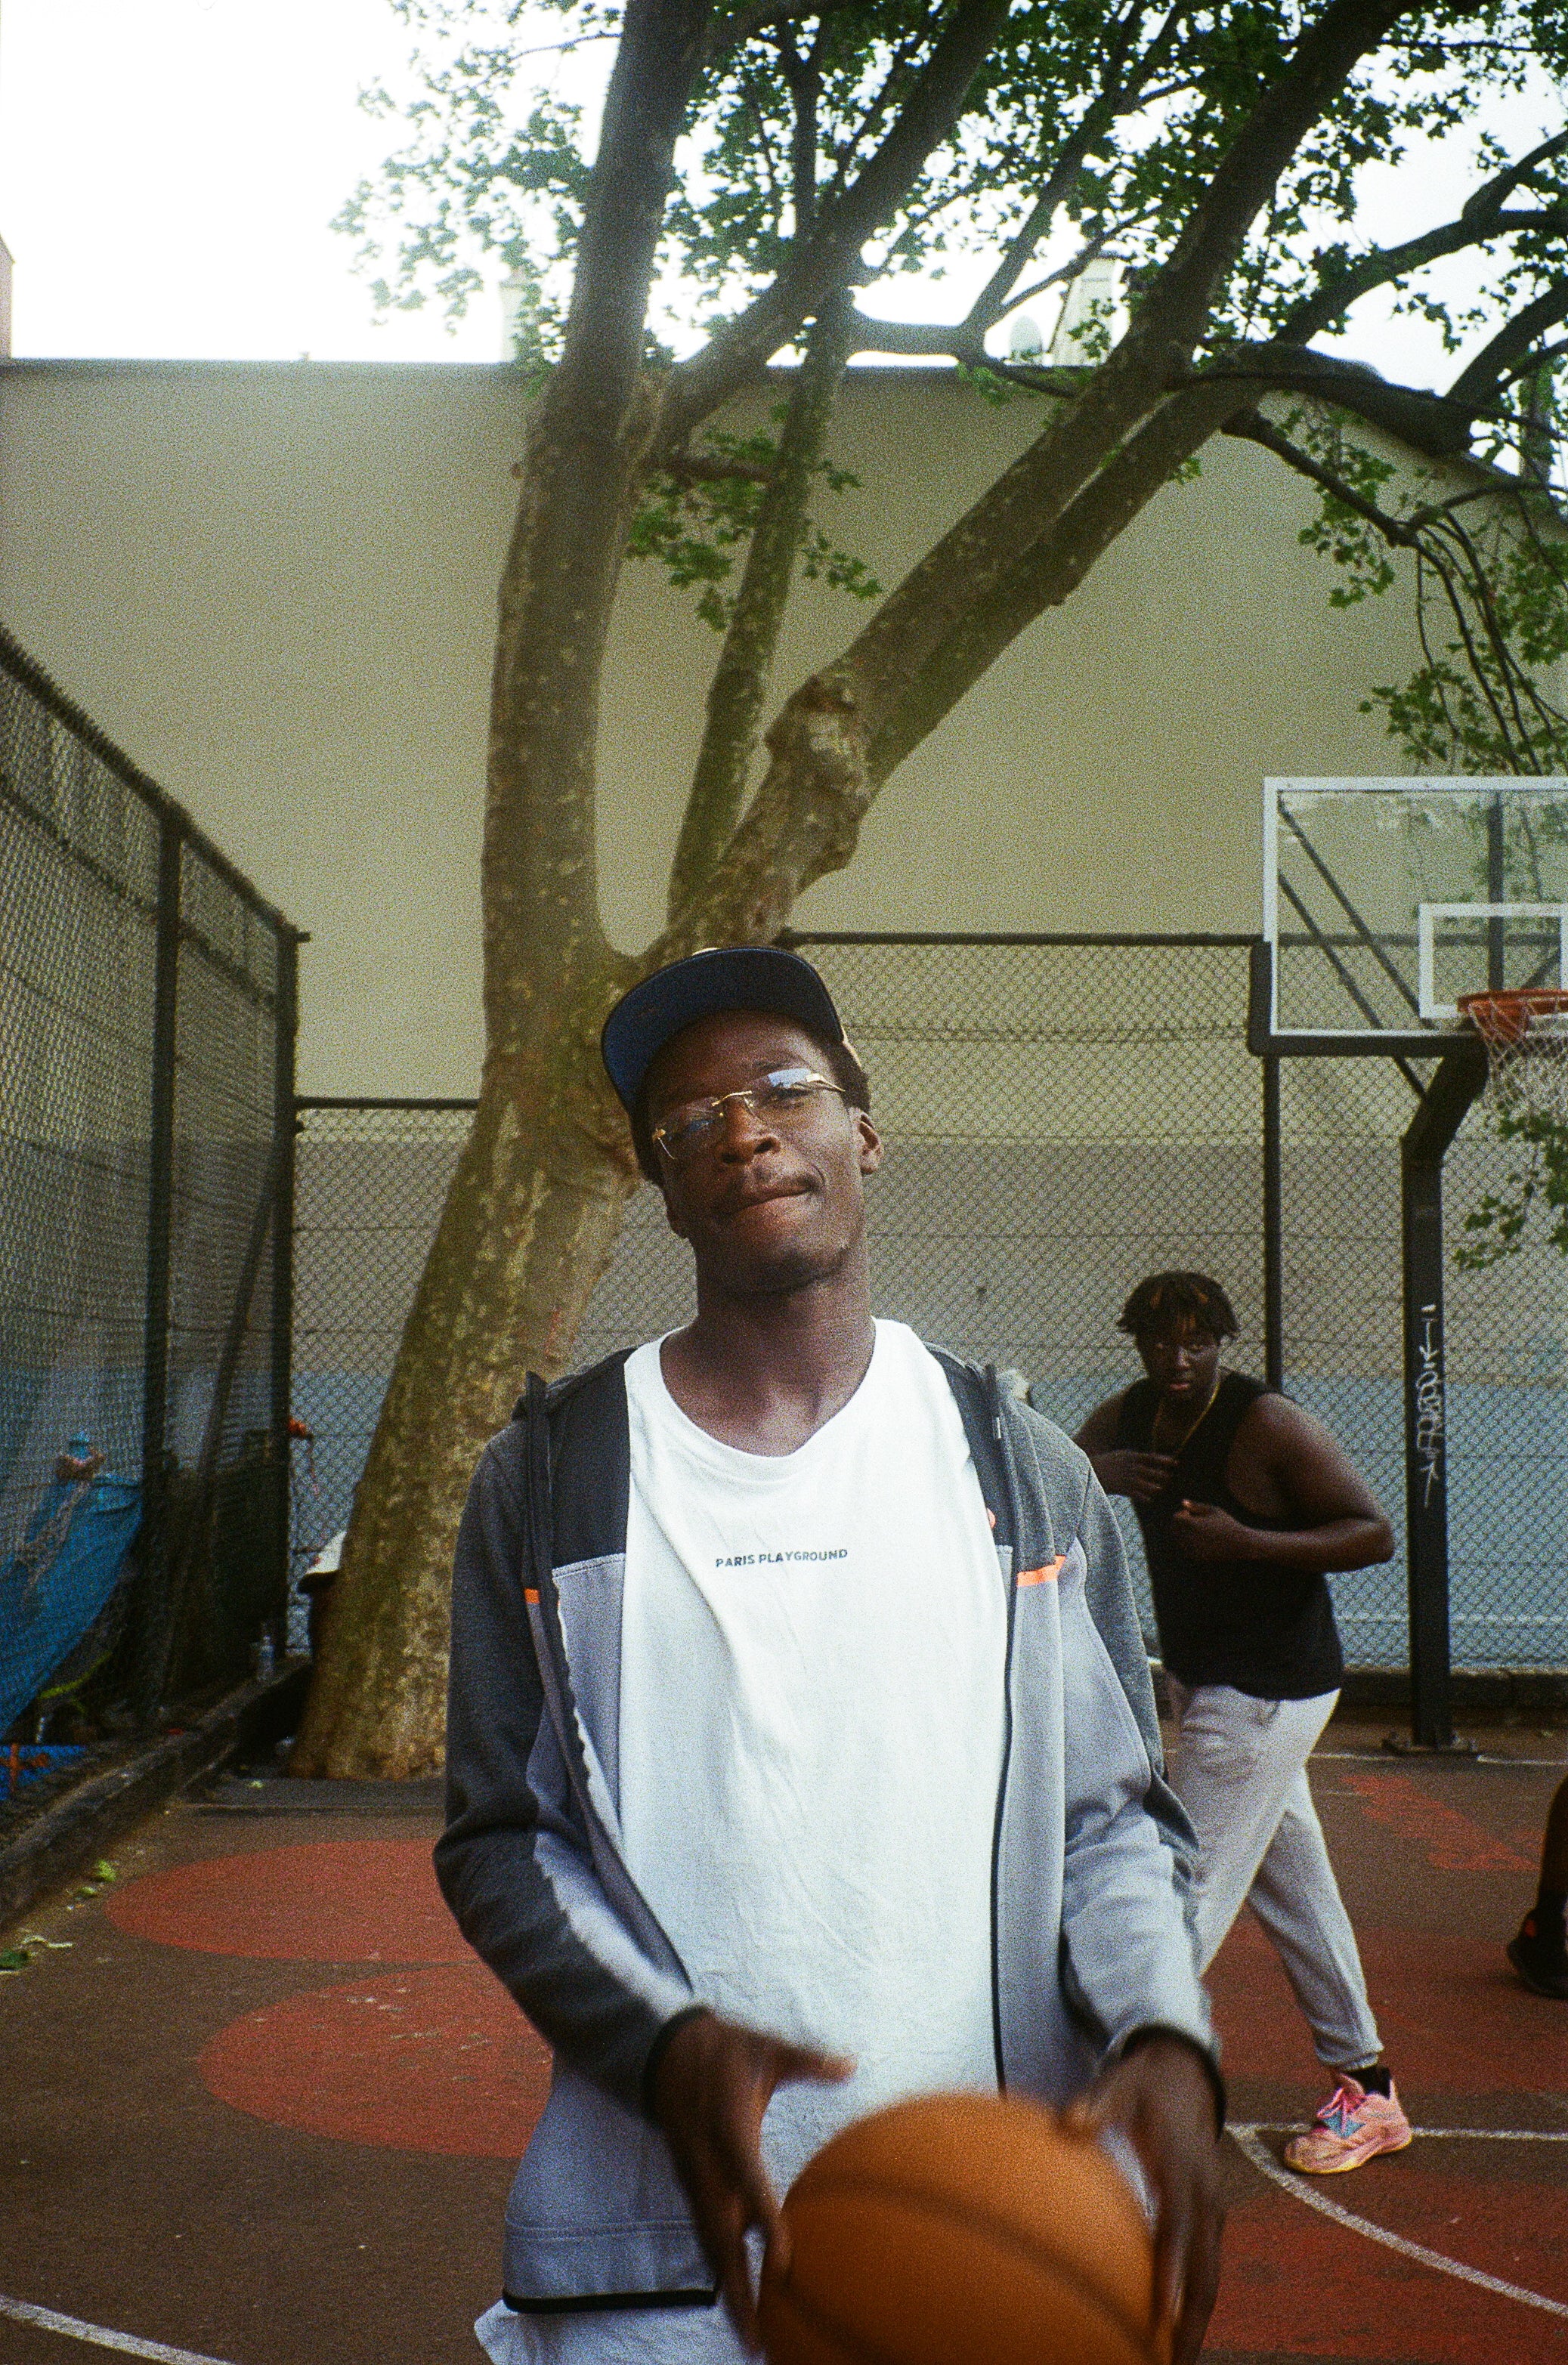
{"x": 102, "y": 1870}
{"x": 13, "y": 1959}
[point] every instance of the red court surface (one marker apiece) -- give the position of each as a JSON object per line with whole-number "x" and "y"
{"x": 262, "y": 2106}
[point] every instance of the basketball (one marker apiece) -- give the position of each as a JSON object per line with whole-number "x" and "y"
{"x": 962, "y": 2229}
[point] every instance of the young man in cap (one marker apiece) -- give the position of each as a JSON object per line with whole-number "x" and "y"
{"x": 1245, "y": 1501}
{"x": 801, "y": 1748}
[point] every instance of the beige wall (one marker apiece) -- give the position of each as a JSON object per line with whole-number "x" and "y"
{"x": 273, "y": 585}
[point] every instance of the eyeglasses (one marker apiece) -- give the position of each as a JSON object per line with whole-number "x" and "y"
{"x": 785, "y": 1097}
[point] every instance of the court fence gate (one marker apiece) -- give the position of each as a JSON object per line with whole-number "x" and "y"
{"x": 1063, "y": 1114}
{"x": 147, "y": 1031}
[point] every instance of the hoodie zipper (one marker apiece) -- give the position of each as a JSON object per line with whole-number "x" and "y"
{"x": 993, "y": 1405}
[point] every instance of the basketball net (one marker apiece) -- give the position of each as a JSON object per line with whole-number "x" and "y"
{"x": 1526, "y": 1034}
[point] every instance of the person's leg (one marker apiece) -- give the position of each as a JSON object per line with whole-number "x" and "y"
{"x": 1236, "y": 1761}
{"x": 1240, "y": 1773}
{"x": 1554, "y": 1848}
{"x": 1296, "y": 1898}
{"x": 1540, "y": 1952}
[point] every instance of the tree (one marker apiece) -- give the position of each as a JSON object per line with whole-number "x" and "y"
{"x": 777, "y": 162}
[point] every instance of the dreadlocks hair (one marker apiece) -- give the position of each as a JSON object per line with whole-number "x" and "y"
{"x": 839, "y": 1061}
{"x": 1178, "y": 1301}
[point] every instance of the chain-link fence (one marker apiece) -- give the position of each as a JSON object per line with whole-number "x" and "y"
{"x": 1062, "y": 1115}
{"x": 1030, "y": 1178}
{"x": 370, "y": 1177}
{"x": 146, "y": 1105}
{"x": 1506, "y": 1342}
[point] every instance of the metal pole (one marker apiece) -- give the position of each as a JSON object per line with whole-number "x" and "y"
{"x": 285, "y": 1128}
{"x": 1273, "y": 1230}
{"x": 1438, "y": 1117}
{"x": 151, "y": 1654}
{"x": 1496, "y": 977}
{"x": 1426, "y": 1464}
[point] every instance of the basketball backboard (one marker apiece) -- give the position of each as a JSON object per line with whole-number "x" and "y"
{"x": 1386, "y": 900}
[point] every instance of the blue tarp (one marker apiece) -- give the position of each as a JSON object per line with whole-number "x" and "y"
{"x": 60, "y": 1579}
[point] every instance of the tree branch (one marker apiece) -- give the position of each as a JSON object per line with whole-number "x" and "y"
{"x": 1116, "y": 90}
{"x": 804, "y": 82}
{"x": 1326, "y": 56}
{"x": 1424, "y": 533}
{"x": 826, "y": 769}
{"x": 1527, "y": 365}
{"x": 709, "y": 468}
{"x": 741, "y": 677}
{"x": 1086, "y": 254}
{"x": 1480, "y": 218}
{"x": 587, "y": 449}
{"x": 747, "y": 23}
{"x": 1392, "y": 263}
{"x": 1043, "y": 575}
{"x": 1493, "y": 365}
{"x": 1036, "y": 532}
{"x": 1150, "y": 362}
{"x": 1434, "y": 424}
{"x": 1252, "y": 427}
{"x": 941, "y": 340}
{"x": 736, "y": 353}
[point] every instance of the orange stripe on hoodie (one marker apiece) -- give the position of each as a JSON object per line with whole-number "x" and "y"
{"x": 1046, "y": 1575}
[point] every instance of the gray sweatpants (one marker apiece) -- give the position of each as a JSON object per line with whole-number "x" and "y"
{"x": 1240, "y": 1769}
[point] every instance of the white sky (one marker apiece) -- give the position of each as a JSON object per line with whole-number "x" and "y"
{"x": 169, "y": 168}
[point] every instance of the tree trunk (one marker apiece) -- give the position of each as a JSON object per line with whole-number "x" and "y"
{"x": 529, "y": 1226}
{"x": 532, "y": 1219}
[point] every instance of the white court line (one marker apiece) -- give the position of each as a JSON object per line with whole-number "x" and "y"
{"x": 99, "y": 2335}
{"x": 1266, "y": 2165}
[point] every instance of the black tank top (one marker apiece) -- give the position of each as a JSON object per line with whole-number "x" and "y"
{"x": 1267, "y": 1631}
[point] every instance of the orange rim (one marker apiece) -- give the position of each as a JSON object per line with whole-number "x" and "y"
{"x": 1504, "y": 1017}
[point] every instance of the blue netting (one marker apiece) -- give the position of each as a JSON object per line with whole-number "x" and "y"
{"x": 60, "y": 1579}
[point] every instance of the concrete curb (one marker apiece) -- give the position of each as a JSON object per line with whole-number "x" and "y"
{"x": 79, "y": 1826}
{"x": 1494, "y": 1697}
{"x": 1482, "y": 1699}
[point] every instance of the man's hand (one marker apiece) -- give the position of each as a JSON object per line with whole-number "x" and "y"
{"x": 1160, "y": 2098}
{"x": 1203, "y": 1531}
{"x": 712, "y": 2086}
{"x": 1141, "y": 1475}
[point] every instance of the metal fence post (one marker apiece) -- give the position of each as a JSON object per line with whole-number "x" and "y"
{"x": 1273, "y": 1230}
{"x": 152, "y": 1654}
{"x": 285, "y": 1128}
{"x": 1259, "y": 1029}
{"x": 1438, "y": 1115}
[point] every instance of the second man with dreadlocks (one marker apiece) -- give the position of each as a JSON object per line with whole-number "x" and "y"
{"x": 1246, "y": 1502}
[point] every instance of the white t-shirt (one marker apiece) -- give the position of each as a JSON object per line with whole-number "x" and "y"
{"x": 812, "y": 1715}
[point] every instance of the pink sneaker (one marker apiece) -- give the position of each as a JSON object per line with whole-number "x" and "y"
{"x": 1352, "y": 2127}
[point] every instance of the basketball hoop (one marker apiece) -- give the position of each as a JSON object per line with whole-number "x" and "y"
{"x": 1526, "y": 1034}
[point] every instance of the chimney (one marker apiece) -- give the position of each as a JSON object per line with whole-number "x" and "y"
{"x": 1089, "y": 311}
{"x": 514, "y": 308}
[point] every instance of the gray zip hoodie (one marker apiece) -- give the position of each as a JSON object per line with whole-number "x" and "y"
{"x": 1091, "y": 1850}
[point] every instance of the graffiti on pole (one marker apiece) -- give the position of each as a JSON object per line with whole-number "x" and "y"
{"x": 1429, "y": 1400}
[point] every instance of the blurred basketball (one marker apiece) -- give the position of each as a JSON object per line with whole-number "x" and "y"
{"x": 962, "y": 2229}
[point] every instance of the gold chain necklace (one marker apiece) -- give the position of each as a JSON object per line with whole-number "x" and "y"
{"x": 1189, "y": 1433}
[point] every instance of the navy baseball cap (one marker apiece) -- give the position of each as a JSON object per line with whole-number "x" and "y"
{"x": 736, "y": 976}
